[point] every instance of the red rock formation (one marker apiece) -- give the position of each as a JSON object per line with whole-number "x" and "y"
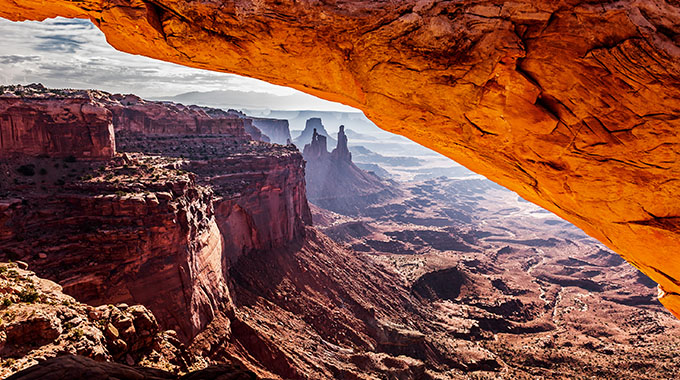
{"x": 39, "y": 322}
{"x": 569, "y": 103}
{"x": 170, "y": 233}
{"x": 132, "y": 114}
{"x": 129, "y": 231}
{"x": 269, "y": 210}
{"x": 55, "y": 126}
{"x": 260, "y": 191}
{"x": 335, "y": 183}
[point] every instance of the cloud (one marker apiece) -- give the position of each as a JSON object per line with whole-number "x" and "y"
{"x": 61, "y": 43}
{"x": 12, "y": 59}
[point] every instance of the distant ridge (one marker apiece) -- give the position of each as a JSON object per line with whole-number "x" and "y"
{"x": 257, "y": 100}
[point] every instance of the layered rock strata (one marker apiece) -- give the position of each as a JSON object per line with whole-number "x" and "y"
{"x": 136, "y": 228}
{"x": 260, "y": 196}
{"x": 55, "y": 126}
{"x": 569, "y": 103}
{"x": 132, "y": 114}
{"x": 133, "y": 229}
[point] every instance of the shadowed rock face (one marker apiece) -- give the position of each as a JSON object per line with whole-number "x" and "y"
{"x": 335, "y": 183}
{"x": 569, "y": 103}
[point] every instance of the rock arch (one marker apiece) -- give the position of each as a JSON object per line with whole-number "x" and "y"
{"x": 572, "y": 104}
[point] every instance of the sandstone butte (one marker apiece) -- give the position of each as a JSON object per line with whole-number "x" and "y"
{"x": 573, "y": 104}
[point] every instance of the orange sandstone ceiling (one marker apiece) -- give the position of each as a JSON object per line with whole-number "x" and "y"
{"x": 575, "y": 105}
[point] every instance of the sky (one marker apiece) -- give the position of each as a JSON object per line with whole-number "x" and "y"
{"x": 73, "y": 53}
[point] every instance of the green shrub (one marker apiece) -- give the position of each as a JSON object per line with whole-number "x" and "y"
{"x": 28, "y": 295}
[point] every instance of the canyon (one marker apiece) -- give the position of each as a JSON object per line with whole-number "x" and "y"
{"x": 570, "y": 104}
{"x": 205, "y": 235}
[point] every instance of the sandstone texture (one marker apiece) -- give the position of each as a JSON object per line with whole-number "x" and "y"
{"x": 54, "y": 126}
{"x": 159, "y": 230}
{"x": 259, "y": 189}
{"x": 132, "y": 229}
{"x": 569, "y": 103}
{"x": 39, "y": 322}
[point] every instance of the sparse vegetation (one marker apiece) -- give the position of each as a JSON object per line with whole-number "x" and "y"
{"x": 26, "y": 170}
{"x": 29, "y": 295}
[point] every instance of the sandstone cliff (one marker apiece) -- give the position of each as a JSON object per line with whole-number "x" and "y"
{"x": 569, "y": 103}
{"x": 133, "y": 229}
{"x": 260, "y": 197}
{"x": 132, "y": 114}
{"x": 58, "y": 127}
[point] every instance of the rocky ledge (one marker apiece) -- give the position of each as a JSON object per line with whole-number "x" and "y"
{"x": 40, "y": 322}
{"x": 160, "y": 228}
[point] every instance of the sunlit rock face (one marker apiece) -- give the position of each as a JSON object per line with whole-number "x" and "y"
{"x": 570, "y": 104}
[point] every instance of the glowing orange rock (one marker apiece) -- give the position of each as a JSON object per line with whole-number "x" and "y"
{"x": 572, "y": 105}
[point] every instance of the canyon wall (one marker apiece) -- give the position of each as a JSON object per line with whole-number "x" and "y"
{"x": 260, "y": 197}
{"x": 78, "y": 127}
{"x": 156, "y": 244}
{"x": 158, "y": 230}
{"x": 571, "y": 104}
{"x": 132, "y": 114}
{"x": 269, "y": 212}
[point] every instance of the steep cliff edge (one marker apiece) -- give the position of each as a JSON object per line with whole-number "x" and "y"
{"x": 335, "y": 183}
{"x": 139, "y": 228}
{"x": 569, "y": 103}
{"x": 260, "y": 197}
{"x": 133, "y": 229}
{"x": 54, "y": 126}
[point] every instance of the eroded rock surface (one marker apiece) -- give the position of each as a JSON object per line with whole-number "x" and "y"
{"x": 54, "y": 126}
{"x": 39, "y": 322}
{"x": 569, "y": 103}
{"x": 159, "y": 229}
